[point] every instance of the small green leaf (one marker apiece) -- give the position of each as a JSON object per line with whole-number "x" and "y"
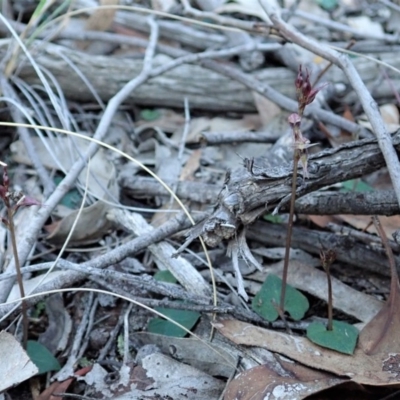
{"x": 72, "y": 199}
{"x": 355, "y": 185}
{"x": 165, "y": 276}
{"x": 267, "y": 300}
{"x": 328, "y": 5}
{"x": 275, "y": 219}
{"x": 163, "y": 327}
{"x": 39, "y": 309}
{"x": 342, "y": 338}
{"x": 41, "y": 357}
{"x": 150, "y": 115}
{"x": 120, "y": 344}
{"x": 84, "y": 362}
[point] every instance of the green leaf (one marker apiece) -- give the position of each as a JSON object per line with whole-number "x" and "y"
{"x": 72, "y": 199}
{"x": 150, "y": 115}
{"x": 120, "y": 344}
{"x": 165, "y": 276}
{"x": 163, "y": 327}
{"x": 342, "y": 338}
{"x": 41, "y": 357}
{"x": 275, "y": 219}
{"x": 328, "y": 5}
{"x": 39, "y": 309}
{"x": 355, "y": 185}
{"x": 267, "y": 300}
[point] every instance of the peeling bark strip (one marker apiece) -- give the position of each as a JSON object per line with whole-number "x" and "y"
{"x": 247, "y": 195}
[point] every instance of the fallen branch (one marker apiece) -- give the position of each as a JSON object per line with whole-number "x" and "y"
{"x": 260, "y": 188}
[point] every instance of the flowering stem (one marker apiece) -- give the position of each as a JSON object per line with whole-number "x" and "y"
{"x": 11, "y": 228}
{"x": 296, "y": 157}
{"x": 330, "y": 300}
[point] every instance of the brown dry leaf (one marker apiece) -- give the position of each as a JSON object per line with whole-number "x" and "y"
{"x": 220, "y": 124}
{"x": 377, "y": 369}
{"x": 380, "y": 337}
{"x": 92, "y": 225}
{"x": 246, "y": 123}
{"x": 336, "y": 137}
{"x": 168, "y": 121}
{"x": 321, "y": 220}
{"x": 61, "y": 387}
{"x": 100, "y": 20}
{"x": 65, "y": 151}
{"x": 261, "y": 382}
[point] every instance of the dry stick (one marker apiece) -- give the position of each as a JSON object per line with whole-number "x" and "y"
{"x": 342, "y": 61}
{"x": 31, "y": 232}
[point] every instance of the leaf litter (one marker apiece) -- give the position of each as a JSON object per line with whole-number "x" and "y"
{"x": 157, "y": 142}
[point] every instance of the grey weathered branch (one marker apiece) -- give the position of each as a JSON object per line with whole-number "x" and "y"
{"x": 377, "y": 202}
{"x": 250, "y": 193}
{"x": 347, "y": 248}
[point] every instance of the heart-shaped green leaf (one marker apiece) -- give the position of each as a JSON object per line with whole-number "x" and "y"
{"x": 342, "y": 338}
{"x": 267, "y": 300}
{"x": 355, "y": 185}
{"x": 165, "y": 276}
{"x": 163, "y": 327}
{"x": 41, "y": 357}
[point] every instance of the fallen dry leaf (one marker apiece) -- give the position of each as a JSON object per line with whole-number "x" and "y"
{"x": 363, "y": 222}
{"x": 262, "y": 382}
